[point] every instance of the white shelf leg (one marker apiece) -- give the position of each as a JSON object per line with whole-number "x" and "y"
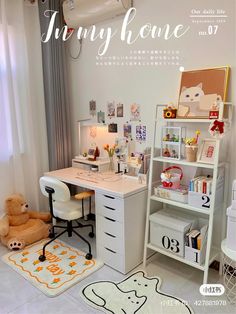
{"x": 149, "y": 194}
{"x": 211, "y": 218}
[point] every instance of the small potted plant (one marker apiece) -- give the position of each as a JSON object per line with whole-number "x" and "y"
{"x": 191, "y": 147}
{"x": 110, "y": 151}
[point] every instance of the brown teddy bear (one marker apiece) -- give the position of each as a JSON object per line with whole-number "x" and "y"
{"x": 21, "y": 227}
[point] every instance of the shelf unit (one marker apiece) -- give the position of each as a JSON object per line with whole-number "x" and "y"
{"x": 211, "y": 253}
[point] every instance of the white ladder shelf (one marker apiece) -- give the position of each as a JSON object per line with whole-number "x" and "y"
{"x": 211, "y": 253}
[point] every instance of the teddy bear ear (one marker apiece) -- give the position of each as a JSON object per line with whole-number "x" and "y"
{"x": 9, "y": 199}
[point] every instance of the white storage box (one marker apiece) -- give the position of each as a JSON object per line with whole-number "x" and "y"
{"x": 195, "y": 255}
{"x": 179, "y": 195}
{"x": 203, "y": 201}
{"x": 167, "y": 230}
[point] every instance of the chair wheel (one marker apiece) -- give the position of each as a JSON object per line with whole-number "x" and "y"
{"x": 51, "y": 235}
{"x": 42, "y": 258}
{"x": 91, "y": 234}
{"x": 89, "y": 256}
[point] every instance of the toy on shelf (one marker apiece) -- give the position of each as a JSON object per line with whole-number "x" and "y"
{"x": 171, "y": 179}
{"x": 20, "y": 227}
{"x": 191, "y": 147}
{"x": 214, "y": 112}
{"x": 171, "y": 142}
{"x": 170, "y": 112}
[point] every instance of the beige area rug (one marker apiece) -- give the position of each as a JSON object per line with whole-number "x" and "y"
{"x": 135, "y": 294}
{"x": 64, "y": 266}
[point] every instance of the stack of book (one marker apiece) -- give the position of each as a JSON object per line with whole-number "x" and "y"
{"x": 194, "y": 238}
{"x": 201, "y": 184}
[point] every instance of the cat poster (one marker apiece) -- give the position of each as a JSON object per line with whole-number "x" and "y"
{"x": 201, "y": 90}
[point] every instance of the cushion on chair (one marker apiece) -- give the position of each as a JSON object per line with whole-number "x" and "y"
{"x": 67, "y": 210}
{"x": 84, "y": 195}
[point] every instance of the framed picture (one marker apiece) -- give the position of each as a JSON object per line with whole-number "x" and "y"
{"x": 207, "y": 151}
{"x": 201, "y": 90}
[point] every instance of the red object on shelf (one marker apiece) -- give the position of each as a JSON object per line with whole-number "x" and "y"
{"x": 214, "y": 114}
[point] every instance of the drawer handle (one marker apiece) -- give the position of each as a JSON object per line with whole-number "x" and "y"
{"x": 110, "y": 235}
{"x": 110, "y": 250}
{"x": 111, "y": 197}
{"x": 107, "y": 207}
{"x": 110, "y": 219}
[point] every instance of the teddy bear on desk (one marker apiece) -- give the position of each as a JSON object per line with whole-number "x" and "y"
{"x": 20, "y": 227}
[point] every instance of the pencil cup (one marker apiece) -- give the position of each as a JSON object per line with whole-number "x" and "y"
{"x": 191, "y": 152}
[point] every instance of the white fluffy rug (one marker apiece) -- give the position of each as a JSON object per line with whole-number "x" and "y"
{"x": 135, "y": 294}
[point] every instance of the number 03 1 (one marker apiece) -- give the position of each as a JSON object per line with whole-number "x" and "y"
{"x": 170, "y": 244}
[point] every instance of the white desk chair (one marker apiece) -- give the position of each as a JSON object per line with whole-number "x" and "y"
{"x": 62, "y": 206}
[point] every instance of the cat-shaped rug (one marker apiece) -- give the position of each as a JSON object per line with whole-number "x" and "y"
{"x": 135, "y": 294}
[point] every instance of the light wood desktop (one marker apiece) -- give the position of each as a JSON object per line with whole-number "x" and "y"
{"x": 120, "y": 209}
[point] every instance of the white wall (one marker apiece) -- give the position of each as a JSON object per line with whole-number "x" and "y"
{"x": 151, "y": 85}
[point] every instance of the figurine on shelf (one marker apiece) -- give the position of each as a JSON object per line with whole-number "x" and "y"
{"x": 166, "y": 138}
{"x": 169, "y": 112}
{"x": 174, "y": 138}
{"x": 166, "y": 152}
{"x": 174, "y": 154}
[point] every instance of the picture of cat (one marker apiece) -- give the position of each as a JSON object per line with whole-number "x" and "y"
{"x": 122, "y": 297}
{"x": 108, "y": 296}
{"x": 193, "y": 102}
{"x": 189, "y": 101}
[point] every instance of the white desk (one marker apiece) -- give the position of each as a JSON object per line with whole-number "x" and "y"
{"x": 120, "y": 208}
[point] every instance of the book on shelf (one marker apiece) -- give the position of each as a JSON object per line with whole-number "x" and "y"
{"x": 195, "y": 238}
{"x": 201, "y": 184}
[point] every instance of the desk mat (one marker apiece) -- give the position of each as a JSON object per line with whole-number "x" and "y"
{"x": 135, "y": 294}
{"x": 64, "y": 266}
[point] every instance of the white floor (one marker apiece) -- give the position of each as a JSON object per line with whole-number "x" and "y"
{"x": 19, "y": 297}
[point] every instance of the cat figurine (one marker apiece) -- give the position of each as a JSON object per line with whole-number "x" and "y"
{"x": 148, "y": 287}
{"x": 189, "y": 101}
{"x": 107, "y": 295}
{"x": 135, "y": 294}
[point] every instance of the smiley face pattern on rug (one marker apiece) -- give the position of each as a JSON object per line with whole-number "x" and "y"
{"x": 135, "y": 294}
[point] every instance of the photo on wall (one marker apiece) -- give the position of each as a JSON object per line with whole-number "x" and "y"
{"x": 111, "y": 110}
{"x": 120, "y": 110}
{"x": 113, "y": 128}
{"x": 201, "y": 91}
{"x": 127, "y": 130}
{"x": 101, "y": 117}
{"x": 135, "y": 114}
{"x": 92, "y": 108}
{"x": 141, "y": 133}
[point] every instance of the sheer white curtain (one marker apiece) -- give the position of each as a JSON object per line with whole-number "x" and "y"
{"x": 23, "y": 144}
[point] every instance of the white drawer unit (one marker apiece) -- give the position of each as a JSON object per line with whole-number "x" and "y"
{"x": 110, "y": 225}
{"x": 111, "y": 258}
{"x": 120, "y": 224}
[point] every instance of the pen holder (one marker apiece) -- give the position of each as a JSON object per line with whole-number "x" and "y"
{"x": 191, "y": 152}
